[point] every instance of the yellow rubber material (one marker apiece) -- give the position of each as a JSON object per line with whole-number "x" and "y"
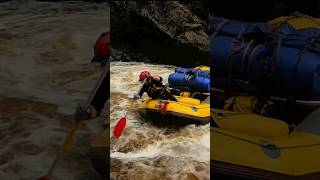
{"x": 186, "y": 106}
{"x": 297, "y": 22}
{"x": 295, "y": 154}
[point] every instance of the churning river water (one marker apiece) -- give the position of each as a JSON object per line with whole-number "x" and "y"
{"x": 45, "y": 49}
{"x": 148, "y": 152}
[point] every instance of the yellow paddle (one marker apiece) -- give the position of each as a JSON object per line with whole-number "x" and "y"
{"x": 75, "y": 126}
{"x": 121, "y": 124}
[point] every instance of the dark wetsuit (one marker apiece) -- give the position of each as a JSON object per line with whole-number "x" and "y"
{"x": 156, "y": 90}
{"x": 102, "y": 94}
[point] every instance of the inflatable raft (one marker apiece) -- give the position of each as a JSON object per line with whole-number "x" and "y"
{"x": 191, "y": 107}
{"x": 99, "y": 153}
{"x": 279, "y": 61}
{"x": 296, "y": 21}
{"x": 257, "y": 147}
{"x": 187, "y": 110}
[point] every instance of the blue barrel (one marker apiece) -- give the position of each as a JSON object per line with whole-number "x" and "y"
{"x": 184, "y": 70}
{"x": 228, "y": 27}
{"x": 297, "y": 73}
{"x": 203, "y": 74}
{"x": 236, "y": 28}
{"x": 185, "y": 78}
{"x": 199, "y": 83}
{"x": 243, "y": 61}
{"x": 177, "y": 79}
{"x": 224, "y": 56}
{"x": 290, "y": 68}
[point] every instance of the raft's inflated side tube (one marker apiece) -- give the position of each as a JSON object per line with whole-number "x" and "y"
{"x": 251, "y": 124}
{"x": 292, "y": 64}
{"x": 185, "y": 111}
{"x": 195, "y": 80}
{"x": 99, "y": 154}
{"x": 288, "y": 24}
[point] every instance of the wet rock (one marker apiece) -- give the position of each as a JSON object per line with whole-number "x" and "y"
{"x": 166, "y": 31}
{"x": 172, "y": 18}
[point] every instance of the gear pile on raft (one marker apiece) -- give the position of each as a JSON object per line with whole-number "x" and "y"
{"x": 184, "y": 100}
{"x": 265, "y": 98}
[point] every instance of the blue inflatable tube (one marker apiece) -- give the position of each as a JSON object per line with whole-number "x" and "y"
{"x": 289, "y": 68}
{"x": 188, "y": 78}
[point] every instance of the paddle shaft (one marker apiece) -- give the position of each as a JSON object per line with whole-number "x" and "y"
{"x": 133, "y": 101}
{"x": 121, "y": 124}
{"x": 75, "y": 126}
{"x": 64, "y": 146}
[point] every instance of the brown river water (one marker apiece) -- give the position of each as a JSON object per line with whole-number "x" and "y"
{"x": 44, "y": 73}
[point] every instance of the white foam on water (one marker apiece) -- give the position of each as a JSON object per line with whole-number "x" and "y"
{"x": 195, "y": 148}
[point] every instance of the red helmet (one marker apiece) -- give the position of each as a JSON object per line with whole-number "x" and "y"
{"x": 143, "y": 75}
{"x": 102, "y": 47}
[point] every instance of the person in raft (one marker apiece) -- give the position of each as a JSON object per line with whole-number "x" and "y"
{"x": 102, "y": 53}
{"x": 154, "y": 87}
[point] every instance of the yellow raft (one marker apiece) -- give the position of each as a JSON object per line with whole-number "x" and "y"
{"x": 99, "y": 153}
{"x": 298, "y": 21}
{"x": 186, "y": 110}
{"x": 252, "y": 146}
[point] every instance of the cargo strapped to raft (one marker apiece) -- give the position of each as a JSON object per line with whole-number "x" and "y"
{"x": 190, "y": 79}
{"x": 250, "y": 58}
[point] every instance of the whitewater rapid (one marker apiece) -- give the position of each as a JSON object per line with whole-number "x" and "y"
{"x": 147, "y": 151}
